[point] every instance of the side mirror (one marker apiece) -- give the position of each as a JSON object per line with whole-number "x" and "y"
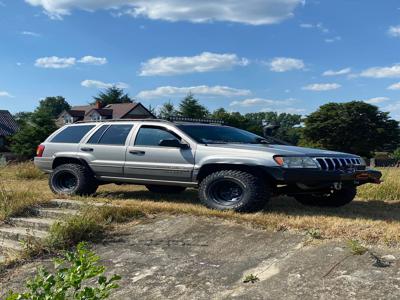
{"x": 174, "y": 143}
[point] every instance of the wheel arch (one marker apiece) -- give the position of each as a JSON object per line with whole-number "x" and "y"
{"x": 58, "y": 161}
{"x": 207, "y": 169}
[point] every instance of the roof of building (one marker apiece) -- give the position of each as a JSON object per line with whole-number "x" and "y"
{"x": 114, "y": 111}
{"x": 8, "y": 125}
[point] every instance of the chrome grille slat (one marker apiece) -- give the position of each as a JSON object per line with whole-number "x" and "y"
{"x": 335, "y": 163}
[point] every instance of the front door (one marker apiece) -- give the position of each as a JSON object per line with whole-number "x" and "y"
{"x": 146, "y": 159}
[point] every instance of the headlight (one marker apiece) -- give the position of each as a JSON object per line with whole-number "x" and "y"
{"x": 296, "y": 162}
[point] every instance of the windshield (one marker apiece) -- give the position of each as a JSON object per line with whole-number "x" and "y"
{"x": 207, "y": 134}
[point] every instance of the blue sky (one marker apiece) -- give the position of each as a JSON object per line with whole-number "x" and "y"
{"x": 247, "y": 56}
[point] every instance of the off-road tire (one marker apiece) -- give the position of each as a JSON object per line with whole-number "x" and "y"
{"x": 165, "y": 189}
{"x": 333, "y": 199}
{"x": 255, "y": 193}
{"x": 82, "y": 181}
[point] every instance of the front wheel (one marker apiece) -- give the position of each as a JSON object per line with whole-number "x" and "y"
{"x": 335, "y": 198}
{"x": 233, "y": 190}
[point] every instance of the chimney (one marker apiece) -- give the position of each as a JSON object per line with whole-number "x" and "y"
{"x": 98, "y": 104}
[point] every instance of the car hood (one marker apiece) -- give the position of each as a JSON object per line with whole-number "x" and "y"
{"x": 281, "y": 149}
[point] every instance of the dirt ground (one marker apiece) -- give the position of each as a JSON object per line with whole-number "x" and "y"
{"x": 187, "y": 257}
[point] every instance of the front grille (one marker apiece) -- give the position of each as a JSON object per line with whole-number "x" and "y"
{"x": 335, "y": 163}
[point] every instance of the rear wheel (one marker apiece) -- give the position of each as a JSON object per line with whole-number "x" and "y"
{"x": 335, "y": 198}
{"x": 72, "y": 179}
{"x": 166, "y": 189}
{"x": 233, "y": 190}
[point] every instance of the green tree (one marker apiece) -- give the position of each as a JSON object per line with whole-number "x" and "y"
{"x": 22, "y": 117}
{"x": 355, "y": 127}
{"x": 191, "y": 108}
{"x": 53, "y": 105}
{"x": 288, "y": 130}
{"x": 167, "y": 110}
{"x": 32, "y": 132}
{"x": 112, "y": 95}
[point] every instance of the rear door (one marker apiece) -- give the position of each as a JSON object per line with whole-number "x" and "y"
{"x": 105, "y": 150}
{"x": 146, "y": 160}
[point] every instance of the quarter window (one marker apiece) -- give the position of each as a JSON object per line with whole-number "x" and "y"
{"x": 72, "y": 134}
{"x": 115, "y": 135}
{"x": 95, "y": 138}
{"x": 151, "y": 136}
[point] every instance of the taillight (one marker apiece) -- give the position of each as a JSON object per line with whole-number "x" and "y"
{"x": 40, "y": 150}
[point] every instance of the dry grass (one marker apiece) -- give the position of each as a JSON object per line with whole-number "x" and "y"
{"x": 28, "y": 171}
{"x": 373, "y": 218}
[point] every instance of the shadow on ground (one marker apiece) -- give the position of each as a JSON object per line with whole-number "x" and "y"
{"x": 360, "y": 209}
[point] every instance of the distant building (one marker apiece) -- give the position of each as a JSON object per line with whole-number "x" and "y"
{"x": 98, "y": 112}
{"x": 8, "y": 126}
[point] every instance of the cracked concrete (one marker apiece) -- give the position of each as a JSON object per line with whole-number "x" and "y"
{"x": 187, "y": 257}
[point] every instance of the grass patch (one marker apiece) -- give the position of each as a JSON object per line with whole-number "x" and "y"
{"x": 251, "y": 278}
{"x": 90, "y": 225}
{"x": 373, "y": 218}
{"x": 28, "y": 171}
{"x": 14, "y": 202}
{"x": 356, "y": 248}
{"x": 389, "y": 190}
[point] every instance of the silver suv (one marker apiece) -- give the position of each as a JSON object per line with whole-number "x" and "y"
{"x": 232, "y": 168}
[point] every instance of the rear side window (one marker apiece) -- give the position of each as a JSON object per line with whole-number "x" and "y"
{"x": 72, "y": 134}
{"x": 115, "y": 135}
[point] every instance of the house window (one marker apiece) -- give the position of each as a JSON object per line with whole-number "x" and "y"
{"x": 68, "y": 119}
{"x": 96, "y": 117}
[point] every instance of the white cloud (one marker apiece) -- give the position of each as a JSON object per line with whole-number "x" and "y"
{"x": 335, "y": 73}
{"x": 93, "y": 60}
{"x": 376, "y": 100}
{"x": 102, "y": 85}
{"x": 54, "y": 62}
{"x": 30, "y": 33}
{"x": 283, "y": 64}
{"x": 318, "y": 26}
{"x": 382, "y": 72}
{"x": 394, "y": 110}
{"x": 5, "y": 94}
{"x": 288, "y": 110}
{"x": 394, "y": 86}
{"x": 205, "y": 62}
{"x": 318, "y": 87}
{"x": 221, "y": 91}
{"x": 260, "y": 102}
{"x": 254, "y": 12}
{"x": 333, "y": 39}
{"x": 394, "y": 31}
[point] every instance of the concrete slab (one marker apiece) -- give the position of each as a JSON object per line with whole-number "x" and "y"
{"x": 187, "y": 257}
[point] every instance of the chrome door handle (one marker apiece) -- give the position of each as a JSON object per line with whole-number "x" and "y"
{"x": 87, "y": 149}
{"x": 137, "y": 152}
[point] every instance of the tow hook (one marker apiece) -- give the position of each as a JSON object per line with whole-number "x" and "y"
{"x": 337, "y": 186}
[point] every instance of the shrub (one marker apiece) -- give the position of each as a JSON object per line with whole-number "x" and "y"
{"x": 70, "y": 279}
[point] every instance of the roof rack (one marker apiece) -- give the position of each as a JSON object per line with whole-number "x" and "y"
{"x": 169, "y": 119}
{"x": 195, "y": 120}
{"x": 121, "y": 120}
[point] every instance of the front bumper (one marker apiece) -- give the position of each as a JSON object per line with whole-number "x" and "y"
{"x": 315, "y": 177}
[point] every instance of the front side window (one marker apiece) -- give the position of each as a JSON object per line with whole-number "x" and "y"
{"x": 209, "y": 134}
{"x": 115, "y": 135}
{"x": 151, "y": 136}
{"x": 72, "y": 134}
